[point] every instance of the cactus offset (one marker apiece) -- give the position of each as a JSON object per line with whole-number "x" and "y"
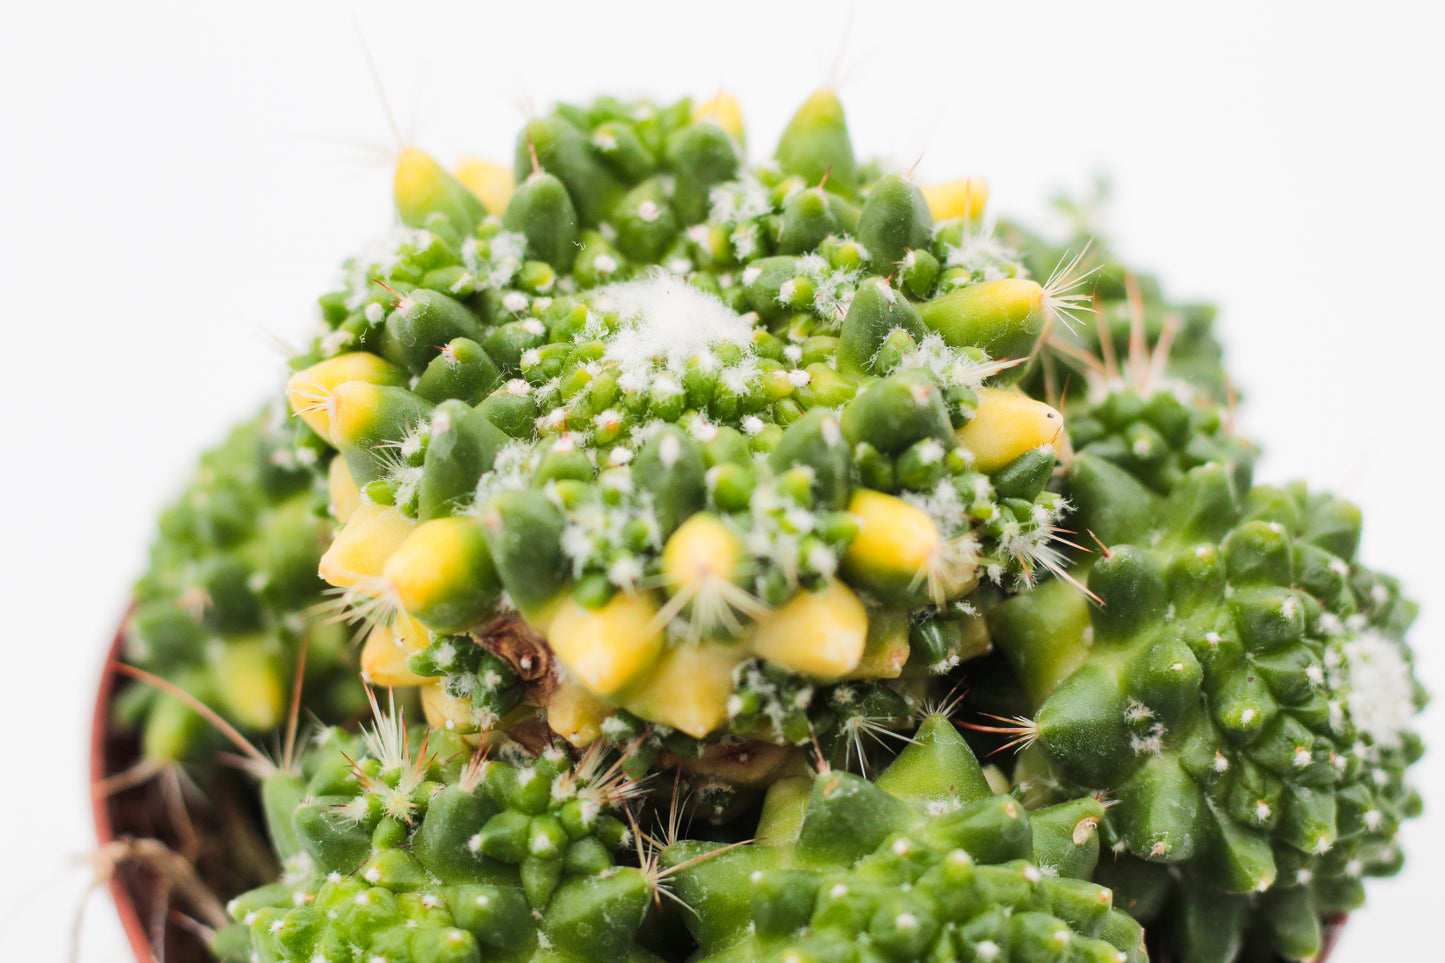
{"x": 405, "y": 845}
{"x": 1242, "y": 690}
{"x": 923, "y": 864}
{"x": 230, "y": 593}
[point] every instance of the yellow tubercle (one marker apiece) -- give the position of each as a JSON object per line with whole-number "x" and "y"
{"x": 701, "y": 549}
{"x": 435, "y": 565}
{"x": 384, "y": 656}
{"x": 352, "y": 410}
{"x": 1007, "y": 424}
{"x": 822, "y": 104}
{"x": 309, "y": 391}
{"x": 821, "y": 634}
{"x": 416, "y": 173}
{"x": 901, "y": 557}
{"x": 492, "y": 183}
{"x": 703, "y": 569}
{"x": 962, "y": 197}
{"x": 576, "y": 714}
{"x": 345, "y": 496}
{"x": 725, "y": 111}
{"x": 446, "y": 711}
{"x": 702, "y": 554}
{"x": 893, "y": 536}
{"x": 1005, "y": 300}
{"x": 689, "y": 687}
{"x": 419, "y": 186}
{"x": 360, "y": 550}
{"x": 610, "y": 648}
{"x": 252, "y": 683}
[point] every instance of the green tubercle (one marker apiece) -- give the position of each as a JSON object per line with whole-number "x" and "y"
{"x": 408, "y": 846}
{"x": 1241, "y": 689}
{"x": 923, "y": 863}
{"x": 692, "y": 496}
{"x": 815, "y": 146}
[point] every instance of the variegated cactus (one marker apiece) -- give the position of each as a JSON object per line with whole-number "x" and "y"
{"x": 665, "y": 422}
{"x": 681, "y": 488}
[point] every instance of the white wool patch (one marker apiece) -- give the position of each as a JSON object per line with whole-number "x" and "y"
{"x": 662, "y": 322}
{"x": 735, "y": 202}
{"x": 983, "y": 253}
{"x": 944, "y": 506}
{"x": 1382, "y": 695}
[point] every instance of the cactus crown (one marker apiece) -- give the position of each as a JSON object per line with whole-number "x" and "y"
{"x": 719, "y": 416}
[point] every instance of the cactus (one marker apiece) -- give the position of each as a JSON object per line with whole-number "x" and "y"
{"x": 231, "y": 592}
{"x": 672, "y": 487}
{"x": 1242, "y": 690}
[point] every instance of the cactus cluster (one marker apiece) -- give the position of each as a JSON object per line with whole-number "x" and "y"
{"x": 227, "y": 600}
{"x": 709, "y": 512}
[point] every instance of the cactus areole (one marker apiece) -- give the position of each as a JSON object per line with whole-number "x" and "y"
{"x": 713, "y": 516}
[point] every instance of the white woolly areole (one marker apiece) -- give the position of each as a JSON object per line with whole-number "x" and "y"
{"x": 1382, "y": 695}
{"x": 983, "y": 253}
{"x": 664, "y": 321}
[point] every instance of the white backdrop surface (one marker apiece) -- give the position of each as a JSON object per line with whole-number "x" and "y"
{"x": 179, "y": 181}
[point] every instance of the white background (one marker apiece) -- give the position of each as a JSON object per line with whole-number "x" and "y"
{"x": 179, "y": 181}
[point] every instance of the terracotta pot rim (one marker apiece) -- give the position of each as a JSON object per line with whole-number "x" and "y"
{"x": 130, "y": 921}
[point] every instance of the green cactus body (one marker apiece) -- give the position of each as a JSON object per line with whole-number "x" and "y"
{"x": 921, "y": 864}
{"x": 1157, "y": 437}
{"x": 1242, "y": 690}
{"x": 228, "y": 595}
{"x": 405, "y": 849}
